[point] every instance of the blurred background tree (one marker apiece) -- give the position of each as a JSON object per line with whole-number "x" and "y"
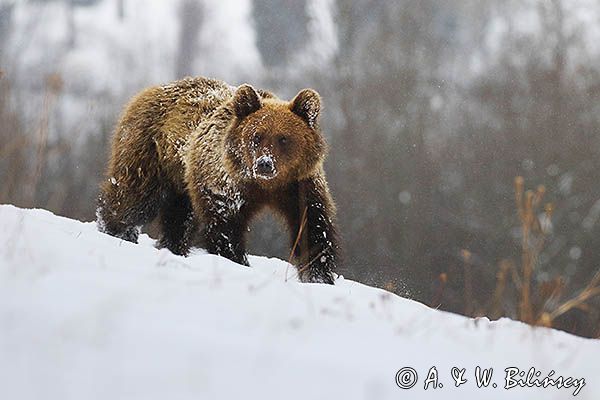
{"x": 431, "y": 110}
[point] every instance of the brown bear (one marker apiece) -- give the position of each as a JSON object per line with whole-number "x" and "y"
{"x": 199, "y": 153}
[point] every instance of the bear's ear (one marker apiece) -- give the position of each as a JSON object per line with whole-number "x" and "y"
{"x": 245, "y": 101}
{"x": 307, "y": 105}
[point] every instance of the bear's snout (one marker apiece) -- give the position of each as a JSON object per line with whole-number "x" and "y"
{"x": 264, "y": 167}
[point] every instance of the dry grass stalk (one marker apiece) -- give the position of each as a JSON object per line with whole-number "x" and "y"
{"x": 297, "y": 241}
{"x": 579, "y": 301}
{"x": 468, "y": 283}
{"x": 54, "y": 85}
{"x": 439, "y": 293}
{"x": 532, "y": 241}
{"x": 390, "y": 286}
{"x": 533, "y": 237}
{"x": 501, "y": 280}
{"x": 14, "y": 149}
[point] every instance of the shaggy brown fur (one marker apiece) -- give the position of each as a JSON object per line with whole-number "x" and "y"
{"x": 200, "y": 153}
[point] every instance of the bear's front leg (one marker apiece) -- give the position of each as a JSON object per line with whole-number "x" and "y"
{"x": 224, "y": 227}
{"x": 225, "y": 238}
{"x": 318, "y": 247}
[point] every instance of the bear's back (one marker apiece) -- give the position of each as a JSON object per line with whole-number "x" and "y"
{"x": 187, "y": 103}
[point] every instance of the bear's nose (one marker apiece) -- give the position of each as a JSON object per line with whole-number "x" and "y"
{"x": 264, "y": 166}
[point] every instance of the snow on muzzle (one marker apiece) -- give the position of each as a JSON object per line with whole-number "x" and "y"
{"x": 264, "y": 167}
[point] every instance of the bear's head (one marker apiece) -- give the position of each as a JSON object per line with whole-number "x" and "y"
{"x": 274, "y": 142}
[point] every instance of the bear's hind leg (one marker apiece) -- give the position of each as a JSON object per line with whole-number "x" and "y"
{"x": 178, "y": 224}
{"x": 122, "y": 212}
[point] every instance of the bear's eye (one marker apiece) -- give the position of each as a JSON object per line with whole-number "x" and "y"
{"x": 283, "y": 140}
{"x": 256, "y": 140}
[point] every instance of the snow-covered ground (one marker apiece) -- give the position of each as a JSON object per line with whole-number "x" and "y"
{"x": 86, "y": 316}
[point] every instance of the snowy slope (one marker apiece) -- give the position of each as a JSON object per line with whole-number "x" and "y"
{"x": 86, "y": 316}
